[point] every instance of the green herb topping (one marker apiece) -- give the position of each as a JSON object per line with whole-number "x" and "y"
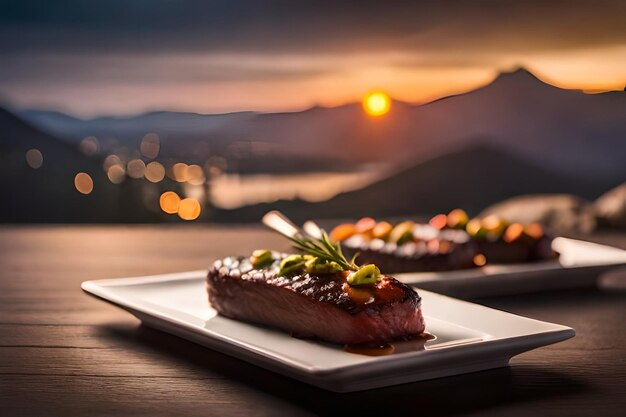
{"x": 318, "y": 266}
{"x": 325, "y": 257}
{"x": 324, "y": 250}
{"x": 366, "y": 275}
{"x": 292, "y": 264}
{"x": 261, "y": 258}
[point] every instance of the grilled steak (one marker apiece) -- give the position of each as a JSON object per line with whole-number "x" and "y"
{"x": 448, "y": 250}
{"x": 447, "y": 242}
{"x": 321, "y": 306}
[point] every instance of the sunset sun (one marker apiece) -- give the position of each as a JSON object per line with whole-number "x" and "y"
{"x": 376, "y": 103}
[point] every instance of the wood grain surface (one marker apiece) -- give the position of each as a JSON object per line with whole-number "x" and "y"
{"x": 63, "y": 353}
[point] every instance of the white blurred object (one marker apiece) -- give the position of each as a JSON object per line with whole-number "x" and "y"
{"x": 610, "y": 208}
{"x": 578, "y": 253}
{"x": 559, "y": 212}
{"x": 277, "y": 221}
{"x": 312, "y": 229}
{"x": 579, "y": 265}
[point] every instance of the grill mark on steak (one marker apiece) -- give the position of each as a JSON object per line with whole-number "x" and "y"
{"x": 327, "y": 288}
{"x": 322, "y": 306}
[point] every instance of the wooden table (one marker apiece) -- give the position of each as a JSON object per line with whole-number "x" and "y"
{"x": 64, "y": 353}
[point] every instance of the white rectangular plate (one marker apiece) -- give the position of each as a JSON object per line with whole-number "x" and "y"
{"x": 579, "y": 265}
{"x": 469, "y": 337}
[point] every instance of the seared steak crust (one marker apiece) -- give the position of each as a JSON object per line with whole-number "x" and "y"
{"x": 323, "y": 306}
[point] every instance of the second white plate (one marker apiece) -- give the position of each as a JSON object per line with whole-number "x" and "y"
{"x": 579, "y": 265}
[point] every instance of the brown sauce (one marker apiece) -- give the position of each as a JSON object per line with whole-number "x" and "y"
{"x": 370, "y": 349}
{"x": 412, "y": 343}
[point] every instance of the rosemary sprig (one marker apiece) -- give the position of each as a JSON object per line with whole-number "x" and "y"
{"x": 325, "y": 250}
{"x": 324, "y": 256}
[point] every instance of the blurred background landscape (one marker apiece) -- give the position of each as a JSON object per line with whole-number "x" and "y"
{"x": 113, "y": 113}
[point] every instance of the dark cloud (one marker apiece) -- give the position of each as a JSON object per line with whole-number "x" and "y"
{"x": 145, "y": 69}
{"x": 294, "y": 26}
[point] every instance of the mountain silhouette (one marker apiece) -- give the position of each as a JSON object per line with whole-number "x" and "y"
{"x": 567, "y": 131}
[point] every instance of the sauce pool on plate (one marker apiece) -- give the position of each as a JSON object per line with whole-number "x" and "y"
{"x": 414, "y": 343}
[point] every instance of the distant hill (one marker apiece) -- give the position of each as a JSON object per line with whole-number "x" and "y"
{"x": 48, "y": 194}
{"x": 473, "y": 179}
{"x": 564, "y": 130}
{"x": 129, "y": 128}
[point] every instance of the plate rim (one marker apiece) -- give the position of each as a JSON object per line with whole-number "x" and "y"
{"x": 546, "y": 266}
{"x": 504, "y": 347}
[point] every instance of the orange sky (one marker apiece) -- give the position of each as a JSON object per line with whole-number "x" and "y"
{"x": 350, "y": 78}
{"x": 93, "y": 59}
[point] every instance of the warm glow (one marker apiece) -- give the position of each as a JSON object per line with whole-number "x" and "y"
{"x": 169, "y": 202}
{"x": 534, "y": 230}
{"x": 155, "y": 172}
{"x": 406, "y": 75}
{"x": 232, "y": 190}
{"x": 376, "y": 103}
{"x": 136, "y": 168}
{"x": 150, "y": 145}
{"x": 439, "y": 221}
{"x": 195, "y": 175}
{"x": 111, "y": 160}
{"x": 189, "y": 209}
{"x": 513, "y": 232}
{"x": 180, "y": 171}
{"x": 83, "y": 183}
{"x": 480, "y": 260}
{"x": 116, "y": 174}
{"x": 34, "y": 158}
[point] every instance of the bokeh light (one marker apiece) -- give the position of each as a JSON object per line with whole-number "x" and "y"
{"x": 195, "y": 175}
{"x": 480, "y": 260}
{"x": 513, "y": 232}
{"x": 189, "y": 209}
{"x": 180, "y": 171}
{"x": 150, "y": 145}
{"x": 111, "y": 160}
{"x": 136, "y": 168}
{"x": 534, "y": 230}
{"x": 83, "y": 183}
{"x": 116, "y": 174}
{"x": 34, "y": 158}
{"x": 376, "y": 103}
{"x": 439, "y": 221}
{"x": 169, "y": 202}
{"x": 155, "y": 172}
{"x": 89, "y": 146}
